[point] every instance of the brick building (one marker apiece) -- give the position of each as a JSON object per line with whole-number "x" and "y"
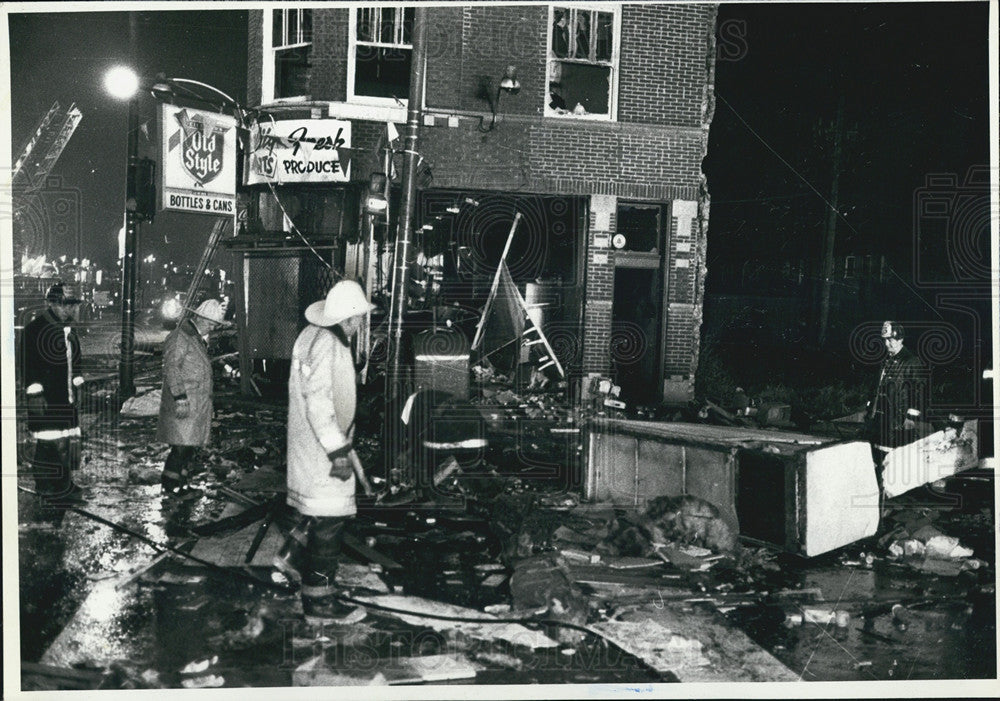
{"x": 600, "y": 150}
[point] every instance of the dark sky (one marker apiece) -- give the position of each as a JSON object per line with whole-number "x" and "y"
{"x": 913, "y": 78}
{"x": 62, "y": 57}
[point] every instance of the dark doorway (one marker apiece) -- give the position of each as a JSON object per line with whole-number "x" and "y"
{"x": 635, "y": 334}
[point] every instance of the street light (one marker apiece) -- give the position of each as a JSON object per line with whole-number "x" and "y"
{"x": 122, "y": 83}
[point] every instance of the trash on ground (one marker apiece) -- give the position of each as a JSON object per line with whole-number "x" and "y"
{"x": 513, "y": 633}
{"x": 210, "y": 681}
{"x": 147, "y": 404}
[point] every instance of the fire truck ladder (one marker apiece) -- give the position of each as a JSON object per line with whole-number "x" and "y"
{"x": 41, "y": 153}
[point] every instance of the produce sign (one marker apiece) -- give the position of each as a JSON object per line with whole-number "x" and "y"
{"x": 299, "y": 151}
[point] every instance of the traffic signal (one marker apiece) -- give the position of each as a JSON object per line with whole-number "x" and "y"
{"x": 376, "y": 203}
{"x": 141, "y": 195}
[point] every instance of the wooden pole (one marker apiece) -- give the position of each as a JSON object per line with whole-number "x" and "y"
{"x": 831, "y": 226}
{"x": 496, "y": 281}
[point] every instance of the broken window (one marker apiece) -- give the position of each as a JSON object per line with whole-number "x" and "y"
{"x": 382, "y": 52}
{"x": 638, "y": 227}
{"x": 291, "y": 41}
{"x": 582, "y": 61}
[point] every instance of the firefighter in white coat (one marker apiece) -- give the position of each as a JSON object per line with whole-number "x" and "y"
{"x": 321, "y": 403}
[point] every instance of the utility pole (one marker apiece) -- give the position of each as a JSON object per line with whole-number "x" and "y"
{"x": 130, "y": 261}
{"x": 401, "y": 256}
{"x": 831, "y": 225}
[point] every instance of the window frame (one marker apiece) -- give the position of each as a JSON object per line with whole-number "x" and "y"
{"x": 269, "y": 71}
{"x": 285, "y": 11}
{"x": 614, "y": 65}
{"x": 352, "y": 50}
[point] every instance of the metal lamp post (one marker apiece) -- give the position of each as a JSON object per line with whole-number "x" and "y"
{"x": 123, "y": 84}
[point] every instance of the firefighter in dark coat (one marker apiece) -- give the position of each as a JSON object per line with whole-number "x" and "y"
{"x": 901, "y": 394}
{"x": 185, "y": 419}
{"x": 50, "y": 362}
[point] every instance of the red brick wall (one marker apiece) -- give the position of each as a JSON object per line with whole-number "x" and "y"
{"x": 684, "y": 280}
{"x": 444, "y": 55}
{"x": 666, "y": 53}
{"x": 329, "y": 54}
{"x": 600, "y": 287}
{"x": 494, "y": 37}
{"x": 549, "y": 156}
{"x": 255, "y": 45}
{"x": 653, "y": 152}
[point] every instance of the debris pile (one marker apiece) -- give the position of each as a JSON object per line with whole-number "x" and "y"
{"x": 918, "y": 544}
{"x": 683, "y": 520}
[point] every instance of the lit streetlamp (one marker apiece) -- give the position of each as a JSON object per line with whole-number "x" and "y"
{"x": 122, "y": 83}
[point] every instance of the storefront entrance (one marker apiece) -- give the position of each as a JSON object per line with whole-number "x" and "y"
{"x": 637, "y": 312}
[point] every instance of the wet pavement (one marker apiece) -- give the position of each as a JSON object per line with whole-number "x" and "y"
{"x": 900, "y": 622}
{"x": 87, "y": 603}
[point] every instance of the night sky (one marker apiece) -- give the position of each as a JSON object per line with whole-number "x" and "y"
{"x": 913, "y": 78}
{"x": 62, "y": 57}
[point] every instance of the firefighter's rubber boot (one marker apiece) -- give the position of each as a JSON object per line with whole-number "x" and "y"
{"x": 289, "y": 560}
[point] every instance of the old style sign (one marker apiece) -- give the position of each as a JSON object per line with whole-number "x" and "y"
{"x": 198, "y": 157}
{"x": 299, "y": 151}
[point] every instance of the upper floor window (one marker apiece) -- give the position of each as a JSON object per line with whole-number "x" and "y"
{"x": 381, "y": 53}
{"x": 583, "y": 60}
{"x": 291, "y": 43}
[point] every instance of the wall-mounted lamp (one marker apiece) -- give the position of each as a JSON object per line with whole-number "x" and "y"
{"x": 509, "y": 83}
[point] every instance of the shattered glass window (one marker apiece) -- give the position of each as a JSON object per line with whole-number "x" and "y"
{"x": 582, "y": 62}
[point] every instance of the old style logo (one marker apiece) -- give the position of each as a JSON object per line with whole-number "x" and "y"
{"x": 200, "y": 138}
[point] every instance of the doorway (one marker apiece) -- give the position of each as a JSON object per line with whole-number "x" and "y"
{"x": 639, "y": 303}
{"x": 635, "y": 334}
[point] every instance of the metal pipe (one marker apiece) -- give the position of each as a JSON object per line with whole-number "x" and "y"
{"x": 408, "y": 205}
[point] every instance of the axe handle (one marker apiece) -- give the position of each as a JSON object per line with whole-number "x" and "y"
{"x": 359, "y": 472}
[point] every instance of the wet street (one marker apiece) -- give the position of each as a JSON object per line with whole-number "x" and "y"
{"x": 103, "y": 609}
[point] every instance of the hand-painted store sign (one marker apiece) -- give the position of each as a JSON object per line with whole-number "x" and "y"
{"x": 299, "y": 151}
{"x": 198, "y": 161}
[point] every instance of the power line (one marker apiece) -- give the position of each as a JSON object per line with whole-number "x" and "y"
{"x": 787, "y": 164}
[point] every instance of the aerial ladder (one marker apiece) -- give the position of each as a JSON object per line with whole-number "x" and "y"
{"x": 33, "y": 166}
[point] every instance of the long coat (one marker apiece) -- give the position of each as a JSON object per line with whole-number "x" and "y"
{"x": 901, "y": 394}
{"x": 50, "y": 363}
{"x": 322, "y": 398}
{"x": 187, "y": 372}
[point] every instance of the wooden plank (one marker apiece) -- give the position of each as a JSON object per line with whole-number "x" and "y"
{"x": 404, "y": 670}
{"x": 631, "y": 563}
{"x": 841, "y": 498}
{"x": 587, "y": 574}
{"x": 230, "y": 550}
{"x": 694, "y": 646}
{"x": 489, "y": 629}
{"x": 81, "y": 675}
{"x": 719, "y": 436}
